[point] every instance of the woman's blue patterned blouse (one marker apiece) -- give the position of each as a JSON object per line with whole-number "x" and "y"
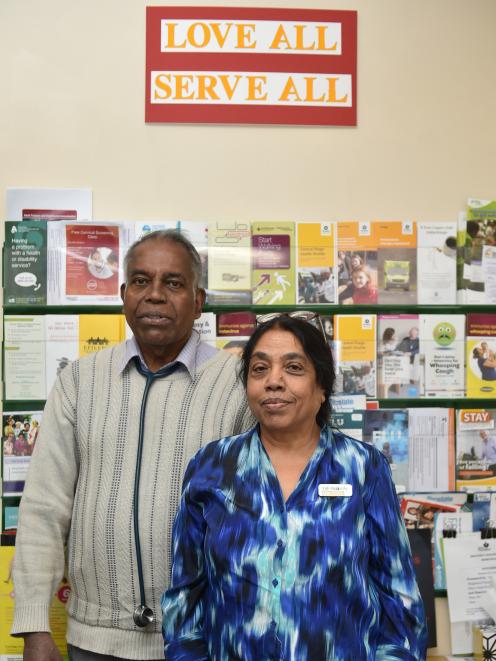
{"x": 314, "y": 578}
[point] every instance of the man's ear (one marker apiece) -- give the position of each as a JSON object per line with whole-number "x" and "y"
{"x": 123, "y": 291}
{"x": 200, "y": 297}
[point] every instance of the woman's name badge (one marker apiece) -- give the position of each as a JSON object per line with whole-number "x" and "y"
{"x": 333, "y": 490}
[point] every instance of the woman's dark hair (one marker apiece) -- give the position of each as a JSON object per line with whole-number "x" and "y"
{"x": 315, "y": 347}
{"x": 388, "y": 334}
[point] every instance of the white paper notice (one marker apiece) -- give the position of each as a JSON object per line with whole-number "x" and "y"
{"x": 436, "y": 259}
{"x": 470, "y": 565}
{"x": 492, "y": 508}
{"x": 24, "y": 357}
{"x": 49, "y": 204}
{"x": 430, "y": 449}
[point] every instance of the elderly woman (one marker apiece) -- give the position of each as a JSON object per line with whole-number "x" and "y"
{"x": 289, "y": 543}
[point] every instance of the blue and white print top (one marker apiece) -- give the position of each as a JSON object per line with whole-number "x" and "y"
{"x": 314, "y": 578}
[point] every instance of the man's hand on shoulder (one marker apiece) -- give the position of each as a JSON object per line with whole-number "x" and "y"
{"x": 40, "y": 646}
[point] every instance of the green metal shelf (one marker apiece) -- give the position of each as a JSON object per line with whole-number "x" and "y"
{"x": 61, "y": 309}
{"x": 260, "y": 309}
{"x": 14, "y": 405}
{"x": 354, "y": 309}
{"x": 456, "y": 403}
{"x": 10, "y": 405}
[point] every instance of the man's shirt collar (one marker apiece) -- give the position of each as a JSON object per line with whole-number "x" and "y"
{"x": 187, "y": 357}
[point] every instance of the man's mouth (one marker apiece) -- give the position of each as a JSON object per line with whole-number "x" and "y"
{"x": 154, "y": 317}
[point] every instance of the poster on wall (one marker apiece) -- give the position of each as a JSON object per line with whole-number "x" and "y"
{"x": 229, "y": 65}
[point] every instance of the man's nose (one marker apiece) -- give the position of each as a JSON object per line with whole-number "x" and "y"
{"x": 157, "y": 291}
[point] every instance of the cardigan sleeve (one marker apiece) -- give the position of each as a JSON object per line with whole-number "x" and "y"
{"x": 46, "y": 510}
{"x": 402, "y": 626}
{"x": 182, "y": 604}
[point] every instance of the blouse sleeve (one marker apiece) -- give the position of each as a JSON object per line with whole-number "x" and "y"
{"x": 182, "y": 603}
{"x": 403, "y": 630}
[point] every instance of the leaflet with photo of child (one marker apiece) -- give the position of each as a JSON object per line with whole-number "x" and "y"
{"x": 357, "y": 263}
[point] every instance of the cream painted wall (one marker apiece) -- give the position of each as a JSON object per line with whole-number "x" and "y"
{"x": 72, "y": 108}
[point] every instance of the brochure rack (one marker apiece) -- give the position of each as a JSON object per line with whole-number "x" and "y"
{"x": 218, "y": 306}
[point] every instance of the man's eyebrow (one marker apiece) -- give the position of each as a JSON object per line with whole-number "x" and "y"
{"x": 143, "y": 271}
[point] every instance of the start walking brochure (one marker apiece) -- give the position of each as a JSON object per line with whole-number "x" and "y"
{"x": 442, "y": 345}
{"x": 229, "y": 258}
{"x": 316, "y": 259}
{"x": 436, "y": 263}
{"x": 476, "y": 449}
{"x": 273, "y": 263}
{"x": 25, "y": 263}
{"x": 481, "y": 355}
{"x": 355, "y": 354}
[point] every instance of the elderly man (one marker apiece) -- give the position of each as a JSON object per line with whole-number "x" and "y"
{"x": 118, "y": 431}
{"x": 488, "y": 449}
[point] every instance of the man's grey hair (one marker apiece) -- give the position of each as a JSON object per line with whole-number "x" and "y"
{"x": 174, "y": 236}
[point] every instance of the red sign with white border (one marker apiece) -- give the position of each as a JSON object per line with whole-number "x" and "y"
{"x": 228, "y": 65}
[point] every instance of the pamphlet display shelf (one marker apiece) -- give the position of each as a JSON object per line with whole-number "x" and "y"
{"x": 323, "y": 310}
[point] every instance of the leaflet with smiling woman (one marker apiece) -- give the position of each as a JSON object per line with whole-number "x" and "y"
{"x": 289, "y": 543}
